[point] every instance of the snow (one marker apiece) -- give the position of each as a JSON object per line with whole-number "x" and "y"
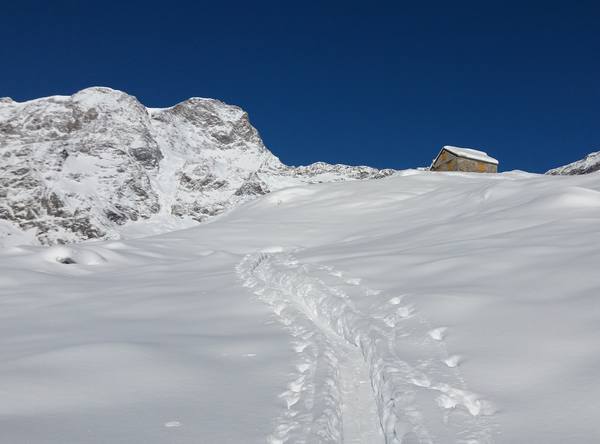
{"x": 423, "y": 307}
{"x": 588, "y": 164}
{"x": 470, "y": 153}
{"x": 12, "y": 236}
{"x": 99, "y": 164}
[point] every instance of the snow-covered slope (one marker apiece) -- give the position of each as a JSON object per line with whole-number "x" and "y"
{"x": 588, "y": 164}
{"x": 87, "y": 166}
{"x": 420, "y": 308}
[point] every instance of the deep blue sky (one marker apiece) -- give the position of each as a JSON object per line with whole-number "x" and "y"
{"x": 378, "y": 83}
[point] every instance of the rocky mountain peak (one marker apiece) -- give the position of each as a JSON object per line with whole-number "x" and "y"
{"x": 89, "y": 165}
{"x": 227, "y": 125}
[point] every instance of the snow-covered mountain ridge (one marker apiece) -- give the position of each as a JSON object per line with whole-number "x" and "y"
{"x": 88, "y": 165}
{"x": 588, "y": 164}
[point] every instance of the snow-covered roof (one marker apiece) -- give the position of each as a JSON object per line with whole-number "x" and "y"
{"x": 470, "y": 153}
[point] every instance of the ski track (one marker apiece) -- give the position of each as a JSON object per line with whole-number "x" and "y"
{"x": 386, "y": 376}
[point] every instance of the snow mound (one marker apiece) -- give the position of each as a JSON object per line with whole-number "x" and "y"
{"x": 68, "y": 256}
{"x": 570, "y": 198}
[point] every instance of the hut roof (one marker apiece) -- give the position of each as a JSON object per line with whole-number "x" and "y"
{"x": 470, "y": 154}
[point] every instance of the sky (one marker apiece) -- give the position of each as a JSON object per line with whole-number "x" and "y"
{"x": 384, "y": 84}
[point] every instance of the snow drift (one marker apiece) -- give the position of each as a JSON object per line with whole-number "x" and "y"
{"x": 420, "y": 308}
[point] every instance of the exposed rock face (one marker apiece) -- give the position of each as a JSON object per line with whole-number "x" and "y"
{"x": 79, "y": 167}
{"x": 589, "y": 164}
{"x": 73, "y": 167}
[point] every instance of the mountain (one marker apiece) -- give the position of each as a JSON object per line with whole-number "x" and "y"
{"x": 97, "y": 163}
{"x": 588, "y": 164}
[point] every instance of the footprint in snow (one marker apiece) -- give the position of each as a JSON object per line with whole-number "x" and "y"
{"x": 299, "y": 347}
{"x": 453, "y": 361}
{"x": 290, "y": 397}
{"x": 406, "y": 311}
{"x": 438, "y": 333}
{"x": 303, "y": 368}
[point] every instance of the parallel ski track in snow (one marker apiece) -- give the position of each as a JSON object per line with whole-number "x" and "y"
{"x": 350, "y": 372}
{"x": 329, "y": 399}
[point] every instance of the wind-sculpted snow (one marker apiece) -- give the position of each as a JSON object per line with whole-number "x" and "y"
{"x": 98, "y": 164}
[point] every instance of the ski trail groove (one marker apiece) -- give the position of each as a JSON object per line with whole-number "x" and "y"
{"x": 419, "y": 398}
{"x": 329, "y": 397}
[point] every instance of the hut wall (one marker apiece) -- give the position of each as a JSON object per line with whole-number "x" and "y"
{"x": 475, "y": 166}
{"x": 447, "y": 161}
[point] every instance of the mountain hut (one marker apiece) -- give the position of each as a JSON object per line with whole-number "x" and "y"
{"x": 452, "y": 158}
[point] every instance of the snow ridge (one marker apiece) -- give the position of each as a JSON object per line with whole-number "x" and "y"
{"x": 421, "y": 400}
{"x": 588, "y": 164}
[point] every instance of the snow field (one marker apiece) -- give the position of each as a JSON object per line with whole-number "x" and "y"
{"x": 398, "y": 384}
{"x": 156, "y": 344}
{"x": 420, "y": 308}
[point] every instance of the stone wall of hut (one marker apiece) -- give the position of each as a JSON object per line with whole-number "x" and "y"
{"x": 450, "y": 162}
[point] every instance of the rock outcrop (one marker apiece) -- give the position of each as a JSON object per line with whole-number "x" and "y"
{"x": 82, "y": 167}
{"x": 588, "y": 164}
